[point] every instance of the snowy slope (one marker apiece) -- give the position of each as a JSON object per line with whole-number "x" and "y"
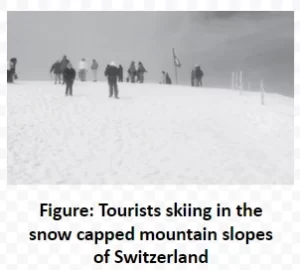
{"x": 153, "y": 134}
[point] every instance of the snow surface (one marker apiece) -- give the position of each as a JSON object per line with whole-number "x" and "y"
{"x": 155, "y": 134}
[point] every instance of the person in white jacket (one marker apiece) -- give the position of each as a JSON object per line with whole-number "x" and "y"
{"x": 82, "y": 70}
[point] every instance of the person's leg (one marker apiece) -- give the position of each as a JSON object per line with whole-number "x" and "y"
{"x": 110, "y": 89}
{"x": 201, "y": 82}
{"x": 84, "y": 75}
{"x": 71, "y": 88}
{"x": 116, "y": 90}
{"x": 55, "y": 78}
{"x": 59, "y": 78}
{"x": 142, "y": 78}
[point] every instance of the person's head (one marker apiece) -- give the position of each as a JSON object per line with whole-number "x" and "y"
{"x": 64, "y": 57}
{"x": 163, "y": 72}
{"x": 83, "y": 59}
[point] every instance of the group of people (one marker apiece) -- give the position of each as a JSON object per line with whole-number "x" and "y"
{"x": 136, "y": 74}
{"x": 11, "y": 70}
{"x": 59, "y": 66}
{"x": 64, "y": 73}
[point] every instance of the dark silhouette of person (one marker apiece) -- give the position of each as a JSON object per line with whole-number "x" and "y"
{"x": 63, "y": 65}
{"x": 132, "y": 72}
{"x": 112, "y": 73}
{"x": 11, "y": 70}
{"x": 140, "y": 72}
{"x": 55, "y": 68}
{"x": 198, "y": 76}
{"x": 69, "y": 77}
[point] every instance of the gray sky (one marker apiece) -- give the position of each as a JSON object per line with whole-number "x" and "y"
{"x": 259, "y": 43}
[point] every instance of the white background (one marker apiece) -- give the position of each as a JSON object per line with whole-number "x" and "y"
{"x": 20, "y": 204}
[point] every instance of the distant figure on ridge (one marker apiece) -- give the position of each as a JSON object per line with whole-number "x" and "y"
{"x": 140, "y": 72}
{"x": 112, "y": 73}
{"x": 120, "y": 73}
{"x": 132, "y": 72}
{"x": 69, "y": 77}
{"x": 55, "y": 68}
{"x": 63, "y": 65}
{"x": 94, "y": 68}
{"x": 82, "y": 70}
{"x": 11, "y": 70}
{"x": 198, "y": 76}
{"x": 168, "y": 79}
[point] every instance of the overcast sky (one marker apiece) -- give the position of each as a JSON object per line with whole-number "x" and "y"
{"x": 259, "y": 43}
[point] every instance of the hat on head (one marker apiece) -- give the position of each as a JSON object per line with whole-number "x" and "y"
{"x": 112, "y": 63}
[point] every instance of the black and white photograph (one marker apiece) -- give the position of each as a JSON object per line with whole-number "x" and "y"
{"x": 145, "y": 97}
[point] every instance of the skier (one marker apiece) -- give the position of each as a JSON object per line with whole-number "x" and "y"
{"x": 112, "y": 73}
{"x": 140, "y": 72}
{"x": 56, "y": 71}
{"x": 94, "y": 68}
{"x": 69, "y": 77}
{"x": 120, "y": 73}
{"x": 63, "y": 65}
{"x": 82, "y": 70}
{"x": 132, "y": 72}
{"x": 198, "y": 76}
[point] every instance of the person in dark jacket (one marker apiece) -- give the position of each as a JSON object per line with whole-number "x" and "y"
{"x": 120, "y": 73}
{"x": 69, "y": 77}
{"x": 112, "y": 73}
{"x": 63, "y": 65}
{"x": 11, "y": 70}
{"x": 132, "y": 72}
{"x": 55, "y": 68}
{"x": 198, "y": 76}
{"x": 140, "y": 72}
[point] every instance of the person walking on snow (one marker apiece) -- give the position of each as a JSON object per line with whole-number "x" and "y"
{"x": 132, "y": 72}
{"x": 82, "y": 70}
{"x": 63, "y": 65}
{"x": 55, "y": 68}
{"x": 140, "y": 72}
{"x": 94, "y": 68}
{"x": 69, "y": 77}
{"x": 112, "y": 73}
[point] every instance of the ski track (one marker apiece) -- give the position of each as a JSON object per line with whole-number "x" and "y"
{"x": 155, "y": 134}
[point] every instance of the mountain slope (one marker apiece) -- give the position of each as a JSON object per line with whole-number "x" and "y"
{"x": 153, "y": 134}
